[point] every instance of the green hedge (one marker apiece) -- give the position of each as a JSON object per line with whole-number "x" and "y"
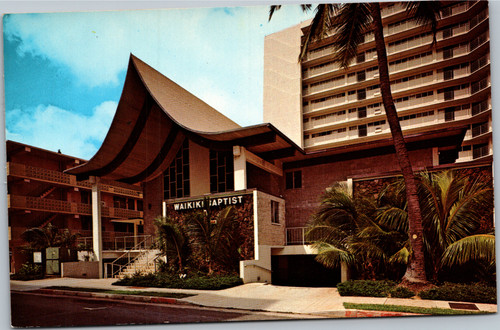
{"x": 162, "y": 280}
{"x": 28, "y": 272}
{"x": 402, "y": 292}
{"x": 365, "y": 288}
{"x": 475, "y": 292}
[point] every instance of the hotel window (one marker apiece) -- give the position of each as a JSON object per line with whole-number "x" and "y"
{"x": 362, "y": 112}
{"x": 361, "y": 94}
{"x": 176, "y": 177}
{"x": 448, "y": 73}
{"x": 361, "y": 76}
{"x": 362, "y": 130}
{"x": 360, "y": 58}
{"x": 275, "y": 212}
{"x": 478, "y": 129}
{"x": 479, "y": 107}
{"x": 479, "y": 150}
{"x": 448, "y": 32}
{"x": 449, "y": 93}
{"x": 221, "y": 171}
{"x": 293, "y": 179}
{"x": 449, "y": 114}
{"x": 447, "y": 53}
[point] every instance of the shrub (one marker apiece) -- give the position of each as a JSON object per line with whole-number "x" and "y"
{"x": 196, "y": 281}
{"x": 365, "y": 288}
{"x": 402, "y": 292}
{"x": 475, "y": 292}
{"x": 28, "y": 272}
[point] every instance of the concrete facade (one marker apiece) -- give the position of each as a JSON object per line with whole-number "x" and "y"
{"x": 433, "y": 87}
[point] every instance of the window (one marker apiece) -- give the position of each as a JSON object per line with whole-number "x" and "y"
{"x": 275, "y": 212}
{"x": 449, "y": 94}
{"x": 361, "y": 76}
{"x": 447, "y": 53}
{"x": 176, "y": 177}
{"x": 449, "y": 114}
{"x": 360, "y": 58}
{"x": 361, "y": 94}
{"x": 479, "y": 107}
{"x": 362, "y": 130}
{"x": 479, "y": 150}
{"x": 478, "y": 129}
{"x": 448, "y": 73}
{"x": 293, "y": 179}
{"x": 447, "y": 33}
{"x": 221, "y": 171}
{"x": 362, "y": 112}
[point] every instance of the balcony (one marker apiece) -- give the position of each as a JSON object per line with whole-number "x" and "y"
{"x": 58, "y": 206}
{"x": 60, "y": 178}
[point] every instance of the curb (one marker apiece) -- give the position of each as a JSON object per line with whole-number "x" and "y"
{"x": 356, "y": 313}
{"x": 136, "y": 298}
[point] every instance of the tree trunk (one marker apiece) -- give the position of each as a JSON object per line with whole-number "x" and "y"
{"x": 415, "y": 271}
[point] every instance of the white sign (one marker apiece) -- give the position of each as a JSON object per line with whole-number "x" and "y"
{"x": 199, "y": 204}
{"x": 37, "y": 257}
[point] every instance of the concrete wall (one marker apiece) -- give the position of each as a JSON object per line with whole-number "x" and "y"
{"x": 153, "y": 198}
{"x": 282, "y": 82}
{"x": 267, "y": 236}
{"x": 199, "y": 169}
{"x": 80, "y": 269}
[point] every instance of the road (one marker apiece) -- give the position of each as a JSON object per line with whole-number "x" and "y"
{"x": 41, "y": 310}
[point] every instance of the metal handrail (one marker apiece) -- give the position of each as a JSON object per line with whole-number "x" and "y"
{"x": 137, "y": 247}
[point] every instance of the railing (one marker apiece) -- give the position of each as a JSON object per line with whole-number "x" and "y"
{"x": 296, "y": 236}
{"x": 43, "y": 174}
{"x": 58, "y": 206}
{"x": 111, "y": 240}
{"x": 113, "y": 268}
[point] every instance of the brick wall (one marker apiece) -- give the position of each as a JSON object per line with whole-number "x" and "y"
{"x": 270, "y": 233}
{"x": 301, "y": 203}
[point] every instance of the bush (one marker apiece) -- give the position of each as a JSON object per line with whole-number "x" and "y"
{"x": 402, "y": 292}
{"x": 28, "y": 272}
{"x": 196, "y": 281}
{"x": 475, "y": 292}
{"x": 365, "y": 288}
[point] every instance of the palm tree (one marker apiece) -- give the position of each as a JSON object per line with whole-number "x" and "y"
{"x": 350, "y": 22}
{"x": 48, "y": 236}
{"x": 214, "y": 239}
{"x": 171, "y": 240}
{"x": 343, "y": 232}
{"x": 453, "y": 206}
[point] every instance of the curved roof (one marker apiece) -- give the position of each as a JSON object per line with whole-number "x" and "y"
{"x": 155, "y": 115}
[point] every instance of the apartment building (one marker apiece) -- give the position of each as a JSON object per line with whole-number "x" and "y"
{"x": 39, "y": 193}
{"x": 321, "y": 106}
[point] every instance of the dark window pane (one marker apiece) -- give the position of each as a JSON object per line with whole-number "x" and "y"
{"x": 297, "y": 178}
{"x": 289, "y": 180}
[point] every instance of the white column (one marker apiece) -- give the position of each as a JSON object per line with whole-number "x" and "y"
{"x": 96, "y": 222}
{"x": 240, "y": 168}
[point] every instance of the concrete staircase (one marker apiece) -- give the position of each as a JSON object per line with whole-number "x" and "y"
{"x": 143, "y": 263}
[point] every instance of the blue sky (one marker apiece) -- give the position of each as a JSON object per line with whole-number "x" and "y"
{"x": 64, "y": 72}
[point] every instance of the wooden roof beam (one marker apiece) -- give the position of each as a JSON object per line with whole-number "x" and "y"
{"x": 263, "y": 164}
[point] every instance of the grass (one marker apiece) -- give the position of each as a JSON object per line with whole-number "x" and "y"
{"x": 126, "y": 292}
{"x": 410, "y": 309}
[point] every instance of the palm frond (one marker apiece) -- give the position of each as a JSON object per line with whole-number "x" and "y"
{"x": 351, "y": 21}
{"x": 320, "y": 26}
{"x": 471, "y": 248}
{"x": 332, "y": 256}
{"x": 425, "y": 13}
{"x": 272, "y": 10}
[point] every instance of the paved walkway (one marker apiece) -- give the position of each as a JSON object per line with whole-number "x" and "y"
{"x": 255, "y": 296}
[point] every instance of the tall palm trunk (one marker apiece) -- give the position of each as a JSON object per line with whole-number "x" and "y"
{"x": 415, "y": 272}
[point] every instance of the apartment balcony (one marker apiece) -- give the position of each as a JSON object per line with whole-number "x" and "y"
{"x": 64, "y": 207}
{"x": 60, "y": 178}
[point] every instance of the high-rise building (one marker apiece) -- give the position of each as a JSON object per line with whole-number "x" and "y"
{"x": 321, "y": 106}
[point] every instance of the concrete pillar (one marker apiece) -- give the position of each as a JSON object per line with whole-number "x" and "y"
{"x": 96, "y": 222}
{"x": 344, "y": 272}
{"x": 435, "y": 156}
{"x": 240, "y": 168}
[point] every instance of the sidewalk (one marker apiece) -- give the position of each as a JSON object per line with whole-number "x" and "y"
{"x": 258, "y": 296}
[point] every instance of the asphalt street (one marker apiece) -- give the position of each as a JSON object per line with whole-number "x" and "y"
{"x": 39, "y": 310}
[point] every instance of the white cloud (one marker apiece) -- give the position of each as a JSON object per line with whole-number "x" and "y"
{"x": 224, "y": 46}
{"x": 53, "y": 128}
